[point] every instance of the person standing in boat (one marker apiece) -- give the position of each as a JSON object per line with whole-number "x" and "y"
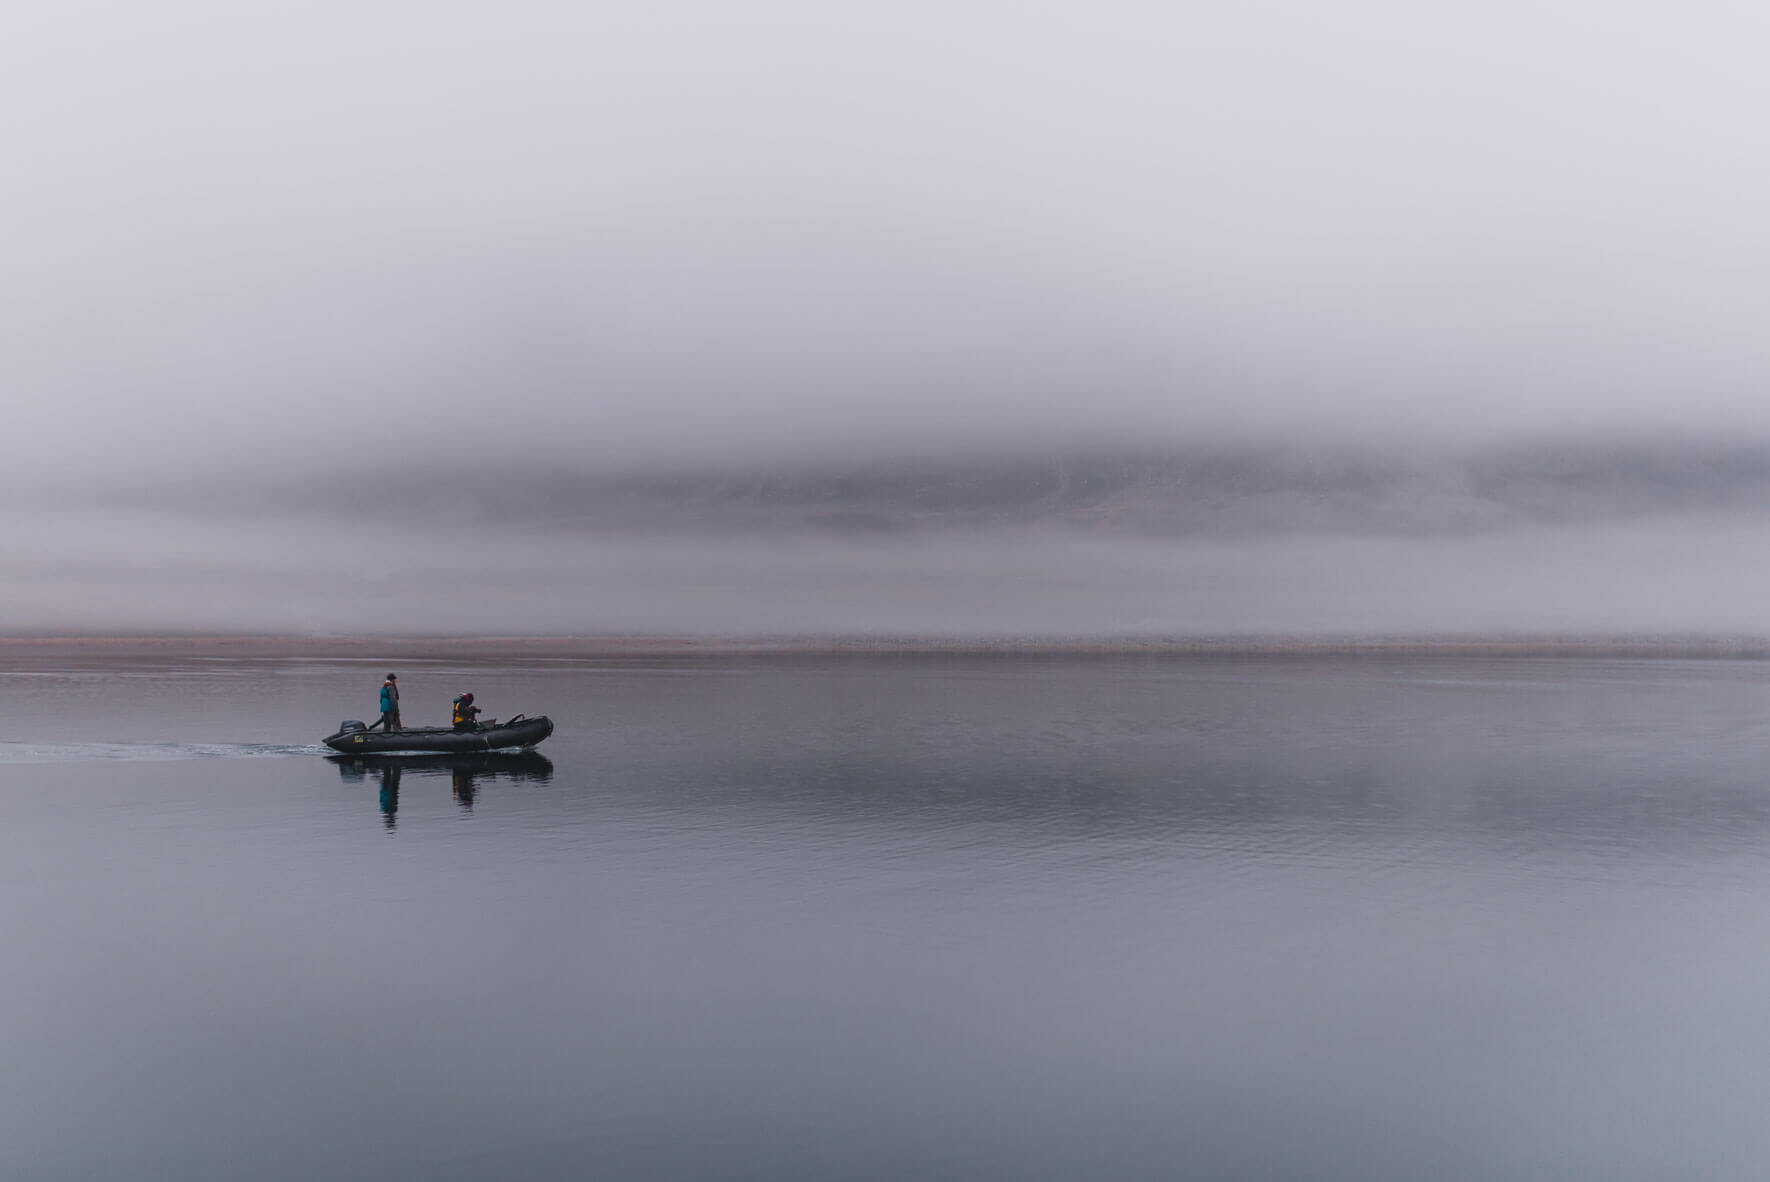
{"x": 390, "y": 704}
{"x": 465, "y": 712}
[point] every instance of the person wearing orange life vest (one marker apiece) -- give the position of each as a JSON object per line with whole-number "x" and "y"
{"x": 465, "y": 712}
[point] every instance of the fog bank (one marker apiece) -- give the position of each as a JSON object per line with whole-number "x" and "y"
{"x": 113, "y": 570}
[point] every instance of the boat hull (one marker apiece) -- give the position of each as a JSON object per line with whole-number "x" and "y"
{"x": 503, "y": 737}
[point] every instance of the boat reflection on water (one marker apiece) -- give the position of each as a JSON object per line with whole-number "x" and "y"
{"x": 466, "y": 772}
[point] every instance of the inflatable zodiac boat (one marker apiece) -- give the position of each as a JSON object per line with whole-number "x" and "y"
{"x": 358, "y": 739}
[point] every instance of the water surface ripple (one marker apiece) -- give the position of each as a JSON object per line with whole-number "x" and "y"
{"x": 884, "y": 918}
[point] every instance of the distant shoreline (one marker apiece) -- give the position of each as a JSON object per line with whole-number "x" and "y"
{"x": 226, "y": 646}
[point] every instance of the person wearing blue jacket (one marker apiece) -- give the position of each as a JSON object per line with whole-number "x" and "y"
{"x": 390, "y": 704}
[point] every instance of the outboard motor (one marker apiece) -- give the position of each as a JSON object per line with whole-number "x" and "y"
{"x": 350, "y": 733}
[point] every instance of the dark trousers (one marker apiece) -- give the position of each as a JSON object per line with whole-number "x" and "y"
{"x": 390, "y": 720}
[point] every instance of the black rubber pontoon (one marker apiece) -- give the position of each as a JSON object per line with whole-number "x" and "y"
{"x": 357, "y": 739}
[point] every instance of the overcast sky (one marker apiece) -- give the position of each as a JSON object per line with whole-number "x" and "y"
{"x": 670, "y": 230}
{"x": 287, "y": 240}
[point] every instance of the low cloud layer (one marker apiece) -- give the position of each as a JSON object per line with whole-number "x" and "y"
{"x": 1244, "y": 544}
{"x": 1675, "y": 577}
{"x": 1201, "y": 492}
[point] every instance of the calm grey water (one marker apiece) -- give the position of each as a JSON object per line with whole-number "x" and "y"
{"x": 1354, "y": 919}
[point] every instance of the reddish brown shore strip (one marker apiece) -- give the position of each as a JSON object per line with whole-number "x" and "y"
{"x": 19, "y": 650}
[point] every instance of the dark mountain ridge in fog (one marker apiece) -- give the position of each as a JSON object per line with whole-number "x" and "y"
{"x": 1663, "y": 539}
{"x": 1199, "y": 492}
